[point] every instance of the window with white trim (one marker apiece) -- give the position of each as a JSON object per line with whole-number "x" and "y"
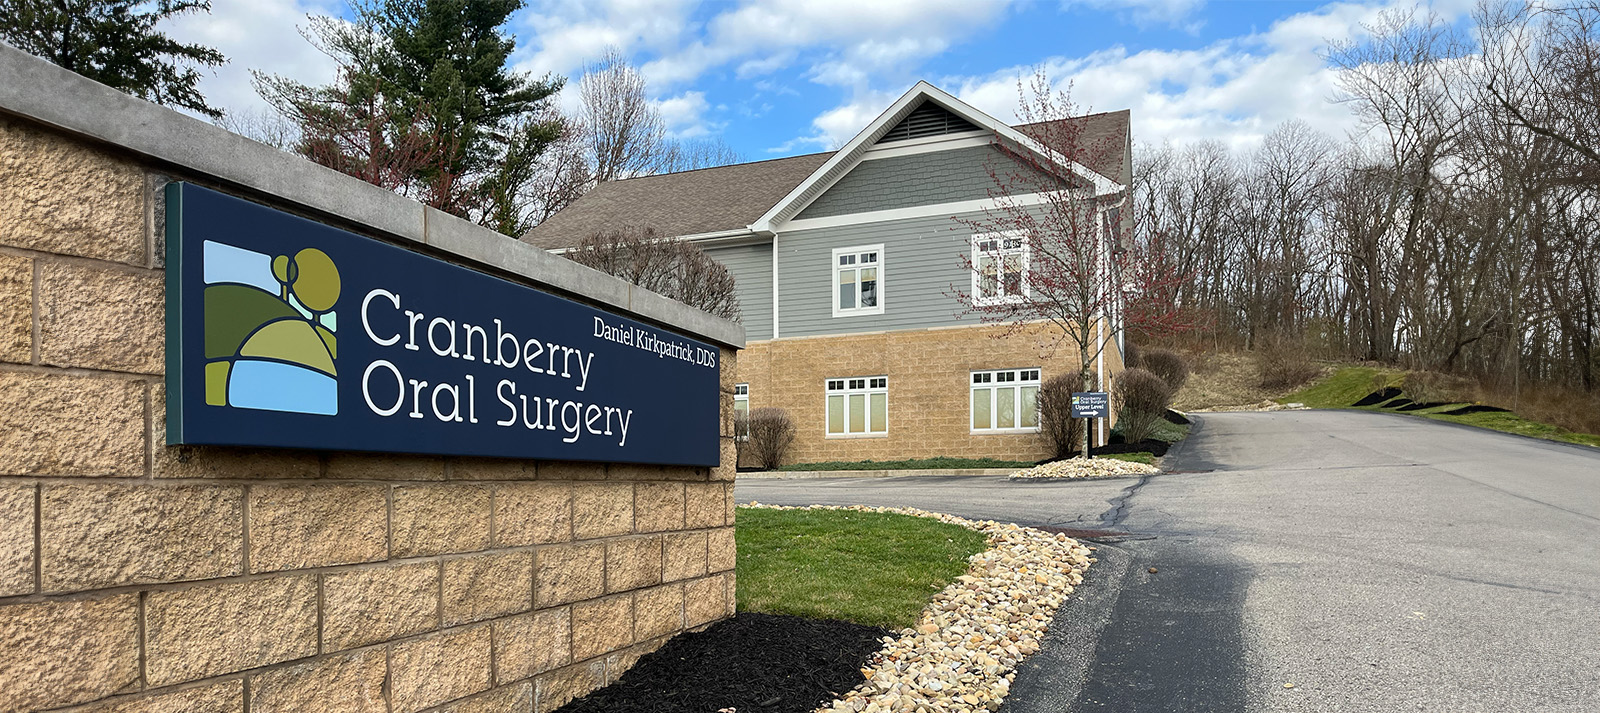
{"x": 1005, "y": 400}
{"x": 858, "y": 280}
{"x": 858, "y": 406}
{"x": 741, "y": 411}
{"x": 999, "y": 268}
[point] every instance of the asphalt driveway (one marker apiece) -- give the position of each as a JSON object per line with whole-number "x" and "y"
{"x": 1371, "y": 562}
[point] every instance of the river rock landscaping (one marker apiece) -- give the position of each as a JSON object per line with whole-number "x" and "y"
{"x": 1078, "y": 469}
{"x": 963, "y": 653}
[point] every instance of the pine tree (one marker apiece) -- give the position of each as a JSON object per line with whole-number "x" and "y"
{"x": 441, "y": 69}
{"x": 115, "y": 42}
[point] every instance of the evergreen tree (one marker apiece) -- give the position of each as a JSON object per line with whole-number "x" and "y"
{"x": 440, "y": 69}
{"x": 115, "y": 42}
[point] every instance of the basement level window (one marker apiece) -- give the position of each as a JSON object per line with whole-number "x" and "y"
{"x": 858, "y": 406}
{"x": 741, "y": 412}
{"x": 1005, "y": 401}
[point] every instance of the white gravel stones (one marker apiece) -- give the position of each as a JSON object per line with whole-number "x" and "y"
{"x": 963, "y": 653}
{"x": 1080, "y": 468}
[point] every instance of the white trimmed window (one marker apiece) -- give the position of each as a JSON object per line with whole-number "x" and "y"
{"x": 741, "y": 411}
{"x": 1000, "y": 268}
{"x": 858, "y": 406}
{"x": 858, "y": 280}
{"x": 1005, "y": 401}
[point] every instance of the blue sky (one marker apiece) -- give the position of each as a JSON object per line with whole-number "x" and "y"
{"x": 781, "y": 77}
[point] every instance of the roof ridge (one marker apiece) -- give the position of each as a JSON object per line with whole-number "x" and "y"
{"x": 713, "y": 168}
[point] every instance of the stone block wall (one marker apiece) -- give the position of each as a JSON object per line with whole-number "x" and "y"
{"x": 930, "y": 394}
{"x": 140, "y": 578}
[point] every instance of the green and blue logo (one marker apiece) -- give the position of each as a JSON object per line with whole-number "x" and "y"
{"x": 270, "y": 330}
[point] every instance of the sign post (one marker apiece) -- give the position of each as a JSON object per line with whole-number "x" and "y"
{"x": 1090, "y": 405}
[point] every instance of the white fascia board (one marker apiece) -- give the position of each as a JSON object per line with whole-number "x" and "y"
{"x": 836, "y": 166}
{"x": 921, "y": 211}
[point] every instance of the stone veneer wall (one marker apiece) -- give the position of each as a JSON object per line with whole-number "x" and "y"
{"x": 141, "y": 578}
{"x": 930, "y": 394}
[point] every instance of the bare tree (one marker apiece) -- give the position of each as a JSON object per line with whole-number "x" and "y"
{"x": 673, "y": 268}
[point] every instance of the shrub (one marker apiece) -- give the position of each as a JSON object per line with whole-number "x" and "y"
{"x": 1131, "y": 354}
{"x": 1428, "y": 387}
{"x": 1167, "y": 366}
{"x": 1059, "y": 429}
{"x": 672, "y": 268}
{"x": 1141, "y": 400}
{"x": 771, "y": 432}
{"x": 1283, "y": 365}
{"x": 741, "y": 436}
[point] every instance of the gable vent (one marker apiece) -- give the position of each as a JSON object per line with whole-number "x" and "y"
{"x": 930, "y": 119}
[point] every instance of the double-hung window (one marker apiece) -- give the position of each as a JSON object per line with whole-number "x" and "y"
{"x": 858, "y": 406}
{"x": 741, "y": 411}
{"x": 1005, "y": 400}
{"x": 1000, "y": 268}
{"x": 858, "y": 280}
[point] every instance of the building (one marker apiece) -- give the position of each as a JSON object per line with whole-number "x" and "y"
{"x": 846, "y": 263}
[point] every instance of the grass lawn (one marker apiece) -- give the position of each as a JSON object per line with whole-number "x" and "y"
{"x": 877, "y": 569}
{"x": 914, "y": 464}
{"x": 1346, "y": 386}
{"x": 1145, "y": 458}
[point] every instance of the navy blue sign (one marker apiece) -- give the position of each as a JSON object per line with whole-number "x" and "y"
{"x": 283, "y": 332}
{"x": 1090, "y": 404}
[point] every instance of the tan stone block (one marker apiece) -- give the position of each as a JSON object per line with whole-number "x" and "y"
{"x": 367, "y": 466}
{"x": 372, "y": 604}
{"x": 557, "y": 688}
{"x": 16, "y": 538}
{"x": 350, "y": 683}
{"x": 722, "y": 554}
{"x": 657, "y": 612}
{"x": 732, "y": 506}
{"x": 601, "y": 626}
{"x": 632, "y": 563}
{"x": 100, "y": 317}
{"x": 225, "y": 697}
{"x": 489, "y": 469}
{"x": 568, "y": 573}
{"x": 485, "y": 586}
{"x": 703, "y": 505}
{"x": 210, "y": 630}
{"x": 602, "y": 510}
{"x": 526, "y": 646}
{"x": 532, "y": 513}
{"x": 439, "y": 519}
{"x": 63, "y": 195}
{"x": 439, "y": 669}
{"x": 56, "y": 424}
{"x": 299, "y": 526}
{"x": 634, "y": 471}
{"x": 728, "y": 468}
{"x": 60, "y": 653}
{"x": 685, "y": 556}
{"x": 516, "y": 698}
{"x": 733, "y": 592}
{"x": 704, "y": 600}
{"x": 16, "y": 309}
{"x": 100, "y": 535}
{"x": 571, "y": 470}
{"x": 658, "y": 507}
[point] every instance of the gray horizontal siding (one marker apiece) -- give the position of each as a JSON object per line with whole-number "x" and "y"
{"x": 914, "y": 180}
{"x": 922, "y": 259}
{"x": 751, "y": 266}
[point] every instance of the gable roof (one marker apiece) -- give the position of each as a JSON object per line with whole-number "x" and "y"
{"x": 706, "y": 200}
{"x": 734, "y": 198}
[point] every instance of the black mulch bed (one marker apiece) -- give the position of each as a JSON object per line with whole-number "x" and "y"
{"x": 1117, "y": 445}
{"x": 1175, "y": 417}
{"x": 755, "y": 663}
{"x": 1475, "y": 408}
{"x": 1397, "y": 403}
{"x": 1378, "y": 397}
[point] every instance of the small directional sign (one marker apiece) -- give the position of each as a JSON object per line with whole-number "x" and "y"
{"x": 1090, "y": 404}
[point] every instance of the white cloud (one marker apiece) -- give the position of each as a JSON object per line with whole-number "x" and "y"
{"x": 684, "y": 115}
{"x": 1147, "y": 12}
{"x": 561, "y": 36}
{"x": 258, "y": 35}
